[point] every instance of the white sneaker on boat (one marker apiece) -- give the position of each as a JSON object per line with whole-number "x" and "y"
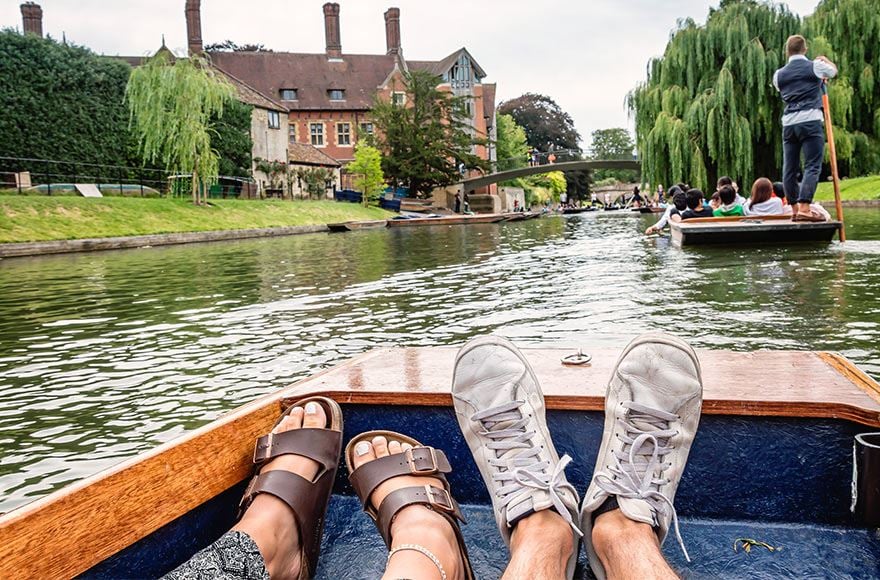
{"x": 500, "y": 409}
{"x": 652, "y": 410}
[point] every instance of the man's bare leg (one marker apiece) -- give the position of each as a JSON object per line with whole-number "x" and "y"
{"x": 629, "y": 549}
{"x": 540, "y": 547}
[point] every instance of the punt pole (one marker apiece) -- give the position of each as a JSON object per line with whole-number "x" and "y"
{"x": 829, "y": 131}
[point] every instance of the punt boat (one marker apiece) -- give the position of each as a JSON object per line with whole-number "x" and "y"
{"x": 772, "y": 462}
{"x": 356, "y": 225}
{"x": 574, "y": 210}
{"x": 452, "y": 220}
{"x": 776, "y": 229}
{"x": 649, "y": 209}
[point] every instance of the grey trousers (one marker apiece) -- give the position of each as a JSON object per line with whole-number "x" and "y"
{"x": 234, "y": 556}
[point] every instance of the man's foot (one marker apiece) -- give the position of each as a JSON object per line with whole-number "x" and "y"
{"x": 652, "y": 410}
{"x": 500, "y": 409}
{"x": 268, "y": 520}
{"x": 414, "y": 524}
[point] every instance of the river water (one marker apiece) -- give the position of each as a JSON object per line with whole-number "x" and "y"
{"x": 104, "y": 355}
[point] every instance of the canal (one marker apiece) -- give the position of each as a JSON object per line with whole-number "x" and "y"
{"x": 105, "y": 355}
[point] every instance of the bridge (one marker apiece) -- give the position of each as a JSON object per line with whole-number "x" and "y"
{"x": 475, "y": 183}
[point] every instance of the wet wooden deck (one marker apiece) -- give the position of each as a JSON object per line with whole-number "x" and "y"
{"x": 770, "y": 383}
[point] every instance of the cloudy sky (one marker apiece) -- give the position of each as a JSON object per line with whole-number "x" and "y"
{"x": 586, "y": 54}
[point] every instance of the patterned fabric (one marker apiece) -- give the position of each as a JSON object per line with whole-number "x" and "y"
{"x": 234, "y": 556}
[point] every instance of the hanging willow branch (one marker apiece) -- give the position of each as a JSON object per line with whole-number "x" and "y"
{"x": 171, "y": 103}
{"x": 708, "y": 107}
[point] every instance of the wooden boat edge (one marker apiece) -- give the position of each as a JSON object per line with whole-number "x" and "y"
{"x": 195, "y": 467}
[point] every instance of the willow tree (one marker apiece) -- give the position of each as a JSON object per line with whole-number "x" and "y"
{"x": 708, "y": 107}
{"x": 848, "y": 32}
{"x": 172, "y": 102}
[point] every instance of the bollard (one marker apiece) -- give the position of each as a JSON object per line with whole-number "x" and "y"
{"x": 866, "y": 479}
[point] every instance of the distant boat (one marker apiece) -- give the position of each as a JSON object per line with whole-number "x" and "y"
{"x": 649, "y": 209}
{"x": 451, "y": 220}
{"x": 572, "y": 210}
{"x": 751, "y": 230}
{"x": 356, "y": 225}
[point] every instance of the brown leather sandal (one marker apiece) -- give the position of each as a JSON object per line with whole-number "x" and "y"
{"x": 307, "y": 499}
{"x": 419, "y": 461}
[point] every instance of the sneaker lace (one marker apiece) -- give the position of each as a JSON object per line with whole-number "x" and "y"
{"x": 517, "y": 466}
{"x": 637, "y": 472}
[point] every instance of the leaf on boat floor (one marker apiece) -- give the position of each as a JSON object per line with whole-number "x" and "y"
{"x": 749, "y": 543}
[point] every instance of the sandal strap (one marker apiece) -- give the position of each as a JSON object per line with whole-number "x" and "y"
{"x": 420, "y": 460}
{"x": 319, "y": 445}
{"x": 435, "y": 498}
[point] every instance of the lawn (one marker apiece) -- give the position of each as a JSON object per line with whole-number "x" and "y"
{"x": 857, "y": 188}
{"x": 29, "y": 218}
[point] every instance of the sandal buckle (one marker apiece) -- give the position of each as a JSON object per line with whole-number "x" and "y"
{"x": 262, "y": 452}
{"x": 439, "y": 499}
{"x": 417, "y": 469}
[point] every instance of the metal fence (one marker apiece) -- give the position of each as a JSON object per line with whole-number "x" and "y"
{"x": 50, "y": 177}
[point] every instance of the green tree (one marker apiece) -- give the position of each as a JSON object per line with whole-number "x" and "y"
{"x": 615, "y": 143}
{"x": 549, "y": 128}
{"x": 511, "y": 145}
{"x": 172, "y": 103}
{"x": 61, "y": 102}
{"x": 707, "y": 107}
{"x": 231, "y": 138}
{"x": 367, "y": 169}
{"x": 546, "y": 125}
{"x": 426, "y": 138}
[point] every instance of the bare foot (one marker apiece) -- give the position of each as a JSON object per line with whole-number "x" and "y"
{"x": 413, "y": 524}
{"x": 269, "y": 521}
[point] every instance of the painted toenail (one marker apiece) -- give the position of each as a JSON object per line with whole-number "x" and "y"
{"x": 362, "y": 448}
{"x": 311, "y": 408}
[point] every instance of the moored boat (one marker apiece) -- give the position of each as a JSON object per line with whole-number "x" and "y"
{"x": 751, "y": 230}
{"x": 644, "y": 209}
{"x": 771, "y": 461}
{"x": 356, "y": 225}
{"x": 451, "y": 220}
{"x": 574, "y": 210}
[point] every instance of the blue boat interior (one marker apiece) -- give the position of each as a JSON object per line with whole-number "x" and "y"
{"x": 783, "y": 481}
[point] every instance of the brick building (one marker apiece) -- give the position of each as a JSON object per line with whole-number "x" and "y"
{"x": 329, "y": 95}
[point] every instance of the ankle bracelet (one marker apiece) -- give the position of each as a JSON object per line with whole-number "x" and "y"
{"x": 424, "y": 551}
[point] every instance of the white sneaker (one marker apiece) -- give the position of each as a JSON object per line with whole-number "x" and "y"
{"x": 652, "y": 410}
{"x": 500, "y": 409}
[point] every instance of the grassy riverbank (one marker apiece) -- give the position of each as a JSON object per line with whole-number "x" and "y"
{"x": 30, "y": 219}
{"x": 857, "y": 188}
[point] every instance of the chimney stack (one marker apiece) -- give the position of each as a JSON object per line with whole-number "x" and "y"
{"x": 331, "y": 30}
{"x": 32, "y": 19}
{"x": 392, "y": 30}
{"x": 193, "y": 13}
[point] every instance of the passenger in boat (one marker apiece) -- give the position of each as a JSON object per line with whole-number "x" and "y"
{"x": 729, "y": 205}
{"x": 800, "y": 84}
{"x": 762, "y": 201}
{"x": 636, "y": 197}
{"x": 727, "y": 180}
{"x": 652, "y": 409}
{"x": 653, "y": 403}
{"x": 696, "y": 208}
{"x": 673, "y": 211}
{"x": 715, "y": 201}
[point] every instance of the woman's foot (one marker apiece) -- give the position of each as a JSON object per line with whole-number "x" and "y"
{"x": 268, "y": 520}
{"x": 414, "y": 524}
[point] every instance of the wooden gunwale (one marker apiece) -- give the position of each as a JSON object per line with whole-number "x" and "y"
{"x": 75, "y": 528}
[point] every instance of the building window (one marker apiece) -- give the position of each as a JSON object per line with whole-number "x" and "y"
{"x": 366, "y": 129}
{"x": 274, "y": 120}
{"x": 343, "y": 133}
{"x": 398, "y": 98}
{"x": 288, "y": 94}
{"x": 316, "y": 130}
{"x": 336, "y": 94}
{"x": 291, "y": 133}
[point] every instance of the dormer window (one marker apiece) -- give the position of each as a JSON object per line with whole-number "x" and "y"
{"x": 398, "y": 98}
{"x": 288, "y": 94}
{"x": 336, "y": 94}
